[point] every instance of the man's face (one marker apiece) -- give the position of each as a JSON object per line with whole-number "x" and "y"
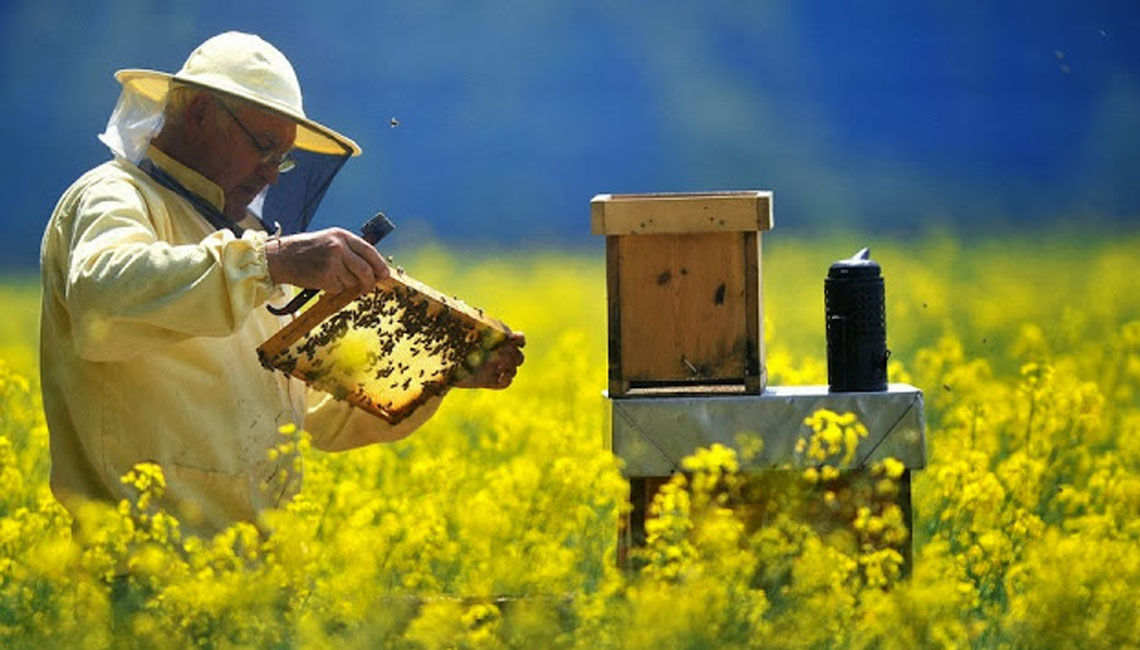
{"x": 244, "y": 163}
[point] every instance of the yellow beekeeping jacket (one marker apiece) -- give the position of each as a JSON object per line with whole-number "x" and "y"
{"x": 149, "y": 329}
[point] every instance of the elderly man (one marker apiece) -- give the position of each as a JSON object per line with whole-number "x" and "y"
{"x": 156, "y": 274}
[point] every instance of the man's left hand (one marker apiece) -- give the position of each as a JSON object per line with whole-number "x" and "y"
{"x": 499, "y": 368}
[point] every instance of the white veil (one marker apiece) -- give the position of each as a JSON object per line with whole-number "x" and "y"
{"x": 135, "y": 120}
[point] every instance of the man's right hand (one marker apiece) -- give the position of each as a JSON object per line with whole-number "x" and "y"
{"x": 332, "y": 260}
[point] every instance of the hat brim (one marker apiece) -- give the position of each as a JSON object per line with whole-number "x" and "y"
{"x": 311, "y": 136}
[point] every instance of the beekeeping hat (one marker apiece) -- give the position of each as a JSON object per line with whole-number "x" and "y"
{"x": 248, "y": 68}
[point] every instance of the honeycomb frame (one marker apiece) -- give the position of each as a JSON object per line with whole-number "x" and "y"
{"x": 387, "y": 351}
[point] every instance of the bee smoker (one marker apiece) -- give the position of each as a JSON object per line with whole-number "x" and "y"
{"x": 855, "y": 305}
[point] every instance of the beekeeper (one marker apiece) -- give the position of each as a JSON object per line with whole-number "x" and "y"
{"x": 157, "y": 267}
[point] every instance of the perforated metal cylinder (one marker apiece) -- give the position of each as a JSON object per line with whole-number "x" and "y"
{"x": 855, "y": 307}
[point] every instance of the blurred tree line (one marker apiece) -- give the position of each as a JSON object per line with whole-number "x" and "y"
{"x": 509, "y": 116}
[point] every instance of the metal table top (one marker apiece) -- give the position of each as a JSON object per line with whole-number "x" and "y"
{"x": 653, "y": 434}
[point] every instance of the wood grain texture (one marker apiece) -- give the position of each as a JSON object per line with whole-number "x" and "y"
{"x": 618, "y": 385}
{"x": 701, "y": 212}
{"x": 682, "y": 307}
{"x": 754, "y": 355}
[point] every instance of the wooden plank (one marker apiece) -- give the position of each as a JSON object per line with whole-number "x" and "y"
{"x": 678, "y": 390}
{"x": 617, "y": 387}
{"x": 697, "y": 212}
{"x": 597, "y": 217}
{"x": 617, "y": 383}
{"x": 682, "y": 307}
{"x": 632, "y": 520}
{"x": 649, "y": 349}
{"x": 754, "y": 357}
{"x": 764, "y": 212}
{"x": 631, "y": 534}
{"x": 906, "y": 504}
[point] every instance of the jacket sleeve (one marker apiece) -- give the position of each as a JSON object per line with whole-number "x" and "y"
{"x": 336, "y": 426}
{"x": 127, "y": 291}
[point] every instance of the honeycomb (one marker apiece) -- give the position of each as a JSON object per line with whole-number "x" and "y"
{"x": 386, "y": 351}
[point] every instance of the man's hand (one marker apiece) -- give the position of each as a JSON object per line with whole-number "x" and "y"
{"x": 499, "y": 367}
{"x": 332, "y": 260}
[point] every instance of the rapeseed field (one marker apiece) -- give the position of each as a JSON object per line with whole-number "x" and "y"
{"x": 495, "y": 526}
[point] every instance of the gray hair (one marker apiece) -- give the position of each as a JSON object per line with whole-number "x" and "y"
{"x": 180, "y": 96}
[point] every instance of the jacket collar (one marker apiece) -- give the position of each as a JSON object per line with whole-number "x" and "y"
{"x": 188, "y": 178}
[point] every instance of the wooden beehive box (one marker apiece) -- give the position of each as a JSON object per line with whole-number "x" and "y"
{"x": 685, "y": 306}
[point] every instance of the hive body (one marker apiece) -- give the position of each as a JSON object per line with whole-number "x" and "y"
{"x": 685, "y": 304}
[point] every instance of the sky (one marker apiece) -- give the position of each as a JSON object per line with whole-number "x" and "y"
{"x": 891, "y": 116}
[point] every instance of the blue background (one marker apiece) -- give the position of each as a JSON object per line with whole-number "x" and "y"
{"x": 893, "y": 116}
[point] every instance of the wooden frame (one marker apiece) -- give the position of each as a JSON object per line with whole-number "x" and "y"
{"x": 469, "y": 332}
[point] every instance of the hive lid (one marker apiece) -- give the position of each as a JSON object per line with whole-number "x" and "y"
{"x": 682, "y": 212}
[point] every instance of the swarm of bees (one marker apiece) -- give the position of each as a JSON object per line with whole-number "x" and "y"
{"x": 389, "y": 350}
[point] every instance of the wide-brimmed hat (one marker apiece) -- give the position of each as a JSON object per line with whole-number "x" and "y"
{"x": 248, "y": 68}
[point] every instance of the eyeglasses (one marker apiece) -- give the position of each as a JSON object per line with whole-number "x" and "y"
{"x": 283, "y": 162}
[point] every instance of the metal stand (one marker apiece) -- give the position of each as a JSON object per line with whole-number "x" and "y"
{"x": 653, "y": 434}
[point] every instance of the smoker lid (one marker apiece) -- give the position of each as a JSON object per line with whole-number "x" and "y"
{"x": 859, "y": 265}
